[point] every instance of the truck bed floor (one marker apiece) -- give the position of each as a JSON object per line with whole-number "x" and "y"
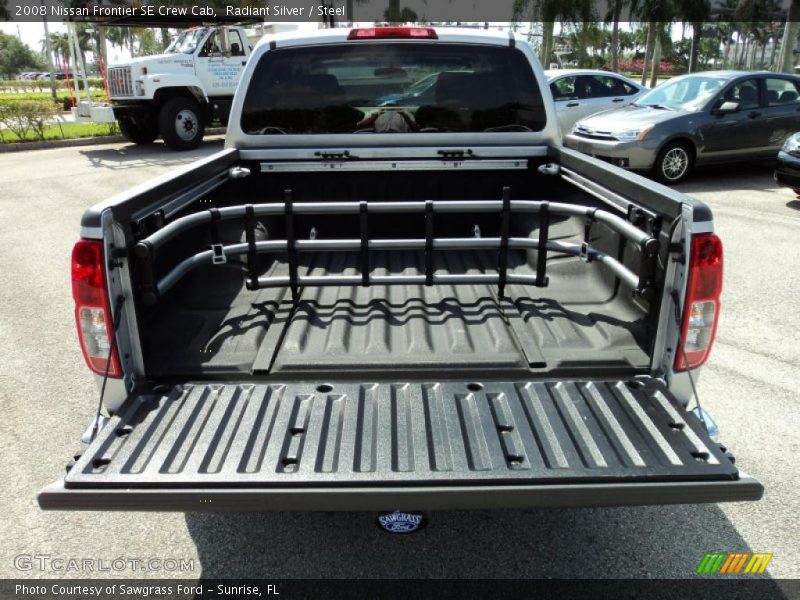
{"x": 396, "y": 330}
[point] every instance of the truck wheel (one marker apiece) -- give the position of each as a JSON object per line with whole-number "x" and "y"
{"x": 674, "y": 163}
{"x": 181, "y": 124}
{"x": 138, "y": 133}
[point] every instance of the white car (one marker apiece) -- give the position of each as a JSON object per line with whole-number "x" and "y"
{"x": 579, "y": 93}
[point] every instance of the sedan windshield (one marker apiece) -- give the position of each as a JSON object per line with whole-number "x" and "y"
{"x": 683, "y": 93}
{"x": 186, "y": 42}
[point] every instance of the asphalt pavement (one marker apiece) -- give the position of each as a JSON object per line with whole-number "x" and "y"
{"x": 47, "y": 396}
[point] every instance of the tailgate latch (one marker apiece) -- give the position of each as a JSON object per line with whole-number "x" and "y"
{"x": 334, "y": 155}
{"x": 455, "y": 154}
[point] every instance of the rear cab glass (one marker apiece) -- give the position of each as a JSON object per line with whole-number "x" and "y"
{"x": 400, "y": 87}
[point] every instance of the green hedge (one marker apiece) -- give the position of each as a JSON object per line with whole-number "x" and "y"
{"x": 62, "y": 99}
{"x": 27, "y": 117}
{"x": 41, "y": 85}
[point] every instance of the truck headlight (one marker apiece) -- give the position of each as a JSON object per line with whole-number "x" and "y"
{"x": 139, "y": 88}
{"x": 632, "y": 135}
{"x": 792, "y": 144}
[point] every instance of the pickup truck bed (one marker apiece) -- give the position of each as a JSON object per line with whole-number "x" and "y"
{"x": 329, "y": 315}
{"x": 406, "y": 329}
{"x": 209, "y": 446}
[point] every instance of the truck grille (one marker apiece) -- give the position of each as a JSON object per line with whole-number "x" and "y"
{"x": 120, "y": 82}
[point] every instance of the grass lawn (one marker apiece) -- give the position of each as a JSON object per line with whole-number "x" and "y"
{"x": 66, "y": 131}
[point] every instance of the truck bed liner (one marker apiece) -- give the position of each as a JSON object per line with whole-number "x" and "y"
{"x": 382, "y": 434}
{"x": 404, "y": 330}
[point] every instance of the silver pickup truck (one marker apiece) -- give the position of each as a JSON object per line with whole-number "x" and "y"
{"x": 428, "y": 305}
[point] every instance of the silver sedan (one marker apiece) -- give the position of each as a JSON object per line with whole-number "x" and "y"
{"x": 579, "y": 93}
{"x": 702, "y": 118}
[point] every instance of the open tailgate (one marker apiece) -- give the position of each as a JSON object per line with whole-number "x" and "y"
{"x": 384, "y": 446}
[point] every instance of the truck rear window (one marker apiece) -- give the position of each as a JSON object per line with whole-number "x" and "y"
{"x": 399, "y": 87}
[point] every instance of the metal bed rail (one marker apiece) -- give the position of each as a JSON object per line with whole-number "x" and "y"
{"x": 146, "y": 249}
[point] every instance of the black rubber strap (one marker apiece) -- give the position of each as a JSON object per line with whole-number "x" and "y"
{"x": 502, "y": 258}
{"x": 215, "y": 218}
{"x": 145, "y": 255}
{"x": 648, "y": 265}
{"x": 364, "y": 222}
{"x": 252, "y": 254}
{"x": 541, "y": 256}
{"x": 291, "y": 246}
{"x": 587, "y": 233}
{"x": 429, "y": 242}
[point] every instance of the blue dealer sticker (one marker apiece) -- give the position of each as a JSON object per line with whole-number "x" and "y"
{"x": 400, "y": 522}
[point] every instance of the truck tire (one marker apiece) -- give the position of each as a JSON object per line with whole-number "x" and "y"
{"x": 138, "y": 133}
{"x": 180, "y": 122}
{"x": 674, "y": 163}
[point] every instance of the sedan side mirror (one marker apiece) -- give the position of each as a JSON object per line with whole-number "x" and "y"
{"x": 726, "y": 108}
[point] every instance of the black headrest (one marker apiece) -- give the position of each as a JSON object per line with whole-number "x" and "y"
{"x": 322, "y": 83}
{"x": 748, "y": 93}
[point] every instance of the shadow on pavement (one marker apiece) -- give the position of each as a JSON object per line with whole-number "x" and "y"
{"x": 131, "y": 156}
{"x": 632, "y": 542}
{"x": 725, "y": 177}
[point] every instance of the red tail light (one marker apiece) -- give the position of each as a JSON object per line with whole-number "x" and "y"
{"x": 92, "y": 308}
{"x": 382, "y": 33}
{"x": 701, "y": 307}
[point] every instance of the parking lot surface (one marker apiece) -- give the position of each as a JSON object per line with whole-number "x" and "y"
{"x": 47, "y": 396}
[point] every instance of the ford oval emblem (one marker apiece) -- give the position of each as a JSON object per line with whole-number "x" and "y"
{"x": 401, "y": 522}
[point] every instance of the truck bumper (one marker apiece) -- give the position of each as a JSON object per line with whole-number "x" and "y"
{"x": 89, "y": 112}
{"x": 370, "y": 446}
{"x": 57, "y": 497}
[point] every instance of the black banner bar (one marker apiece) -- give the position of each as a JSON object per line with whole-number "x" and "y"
{"x": 494, "y": 589}
{"x": 183, "y": 13}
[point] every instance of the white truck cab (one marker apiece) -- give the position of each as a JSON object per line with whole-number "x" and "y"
{"x": 178, "y": 93}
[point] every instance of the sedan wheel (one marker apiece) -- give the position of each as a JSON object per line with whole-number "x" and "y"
{"x": 674, "y": 163}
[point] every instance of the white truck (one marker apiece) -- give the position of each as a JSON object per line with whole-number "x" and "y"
{"x": 178, "y": 93}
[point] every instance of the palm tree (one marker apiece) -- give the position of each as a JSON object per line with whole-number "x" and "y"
{"x": 551, "y": 11}
{"x": 116, "y": 36}
{"x": 786, "y": 58}
{"x": 696, "y": 12}
{"x": 59, "y": 44}
{"x": 657, "y": 14}
{"x": 614, "y": 13}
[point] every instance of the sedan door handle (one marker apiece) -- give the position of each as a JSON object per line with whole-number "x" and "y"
{"x": 618, "y": 100}
{"x": 754, "y": 113}
{"x": 571, "y": 104}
